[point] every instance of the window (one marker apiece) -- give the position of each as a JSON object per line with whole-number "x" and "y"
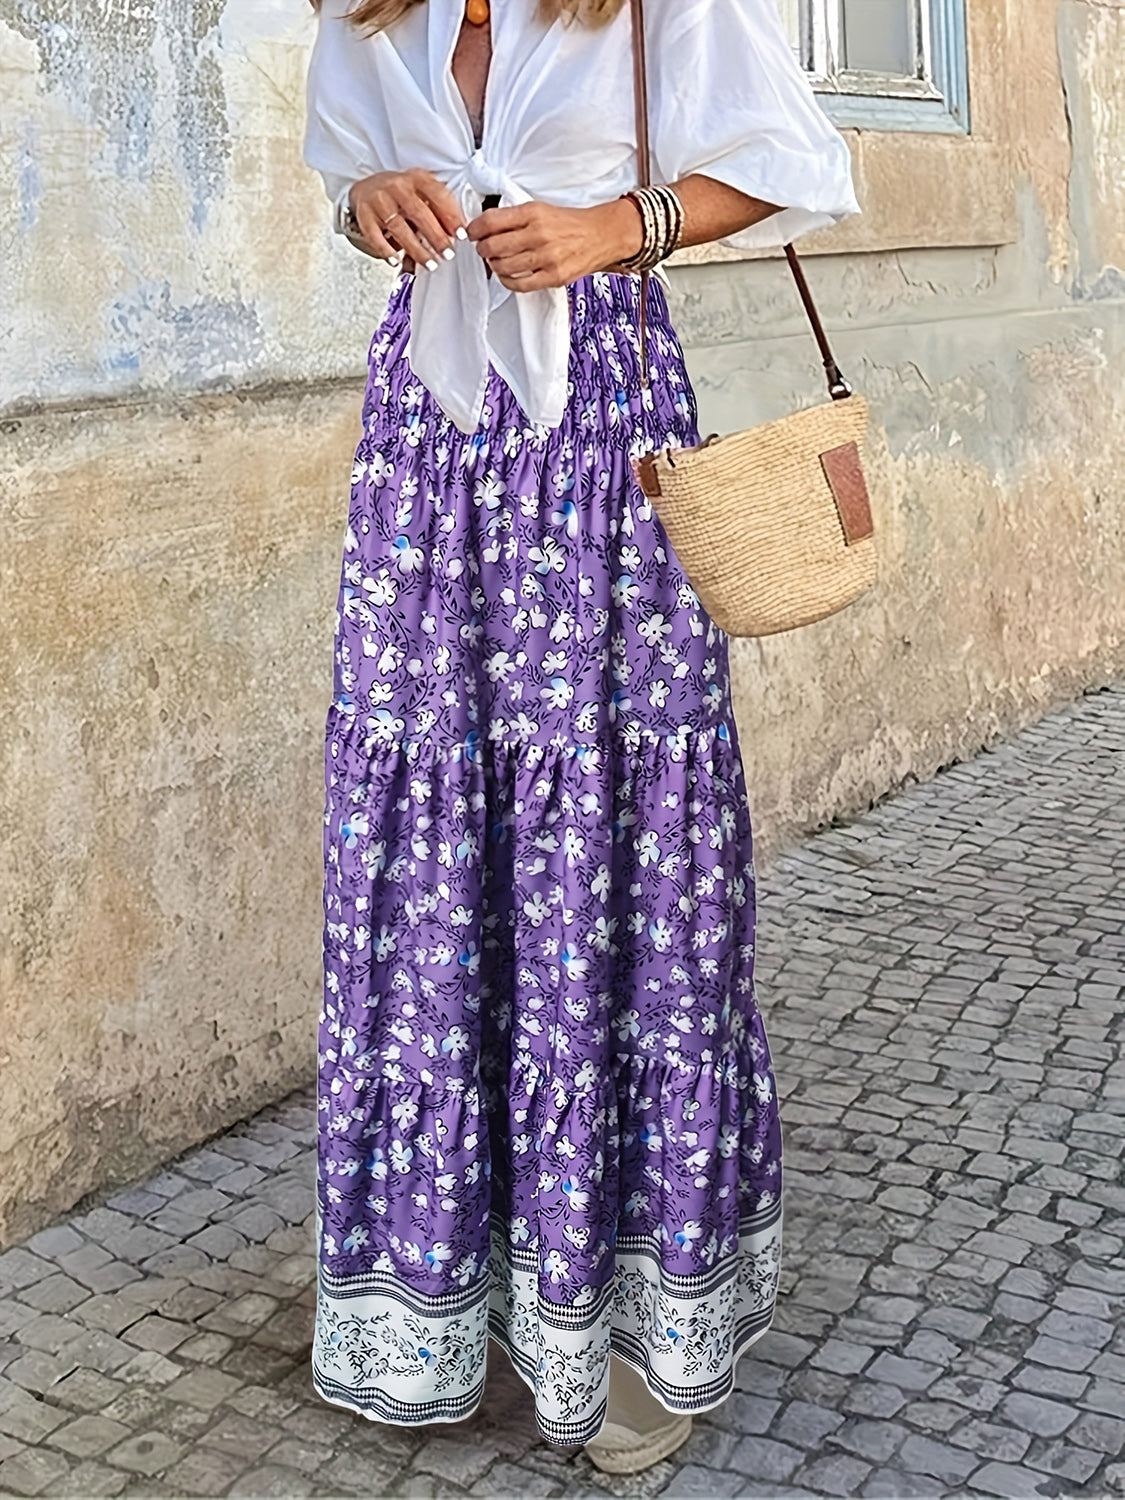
{"x": 885, "y": 64}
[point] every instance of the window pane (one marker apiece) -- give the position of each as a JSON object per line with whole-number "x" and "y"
{"x": 880, "y": 36}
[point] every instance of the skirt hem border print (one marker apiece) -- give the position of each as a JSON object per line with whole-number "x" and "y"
{"x": 731, "y": 1313}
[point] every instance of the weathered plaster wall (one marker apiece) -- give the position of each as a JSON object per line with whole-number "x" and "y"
{"x": 163, "y": 235}
{"x": 179, "y": 348}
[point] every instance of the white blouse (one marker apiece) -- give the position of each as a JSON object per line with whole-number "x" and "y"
{"x": 726, "y": 98}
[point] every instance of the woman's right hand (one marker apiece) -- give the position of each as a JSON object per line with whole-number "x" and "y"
{"x": 410, "y": 213}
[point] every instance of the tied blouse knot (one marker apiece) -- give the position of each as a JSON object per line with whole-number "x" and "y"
{"x": 727, "y": 98}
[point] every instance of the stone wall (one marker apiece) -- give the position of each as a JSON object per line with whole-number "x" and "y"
{"x": 182, "y": 344}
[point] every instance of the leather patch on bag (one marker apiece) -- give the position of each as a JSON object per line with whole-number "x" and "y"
{"x": 645, "y": 470}
{"x": 843, "y": 469}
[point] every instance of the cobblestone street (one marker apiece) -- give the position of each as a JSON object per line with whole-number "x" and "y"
{"x": 943, "y": 981}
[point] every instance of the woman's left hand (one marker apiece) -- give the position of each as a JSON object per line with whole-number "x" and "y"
{"x": 535, "y": 245}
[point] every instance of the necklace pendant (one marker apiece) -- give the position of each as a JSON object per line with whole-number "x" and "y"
{"x": 477, "y": 12}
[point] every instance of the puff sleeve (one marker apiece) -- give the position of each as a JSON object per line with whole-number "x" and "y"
{"x": 345, "y": 117}
{"x": 729, "y": 99}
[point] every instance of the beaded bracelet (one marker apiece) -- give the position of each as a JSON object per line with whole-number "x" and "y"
{"x": 662, "y": 223}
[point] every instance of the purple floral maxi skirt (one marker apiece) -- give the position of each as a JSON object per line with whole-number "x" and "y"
{"x": 546, "y": 1105}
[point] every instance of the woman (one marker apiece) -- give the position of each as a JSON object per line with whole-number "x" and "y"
{"x": 547, "y": 1108}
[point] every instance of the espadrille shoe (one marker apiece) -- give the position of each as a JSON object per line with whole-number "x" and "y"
{"x": 620, "y": 1450}
{"x": 638, "y": 1430}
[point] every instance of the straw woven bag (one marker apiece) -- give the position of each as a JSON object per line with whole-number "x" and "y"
{"x": 772, "y": 525}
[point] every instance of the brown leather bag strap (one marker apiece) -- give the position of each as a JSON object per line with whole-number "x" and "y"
{"x": 838, "y": 387}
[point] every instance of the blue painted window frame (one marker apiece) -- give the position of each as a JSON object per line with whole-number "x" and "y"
{"x": 944, "y": 111}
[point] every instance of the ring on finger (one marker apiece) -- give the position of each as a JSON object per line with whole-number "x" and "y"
{"x": 388, "y": 222}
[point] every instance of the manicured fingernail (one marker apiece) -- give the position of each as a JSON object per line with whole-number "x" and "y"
{"x": 431, "y": 265}
{"x": 448, "y": 253}
{"x": 462, "y": 232}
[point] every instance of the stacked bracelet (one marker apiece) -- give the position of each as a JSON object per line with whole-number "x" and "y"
{"x": 662, "y": 219}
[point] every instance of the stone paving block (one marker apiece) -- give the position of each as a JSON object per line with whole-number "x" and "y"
{"x": 107, "y": 1276}
{"x": 204, "y": 1166}
{"x": 1019, "y": 1309}
{"x": 155, "y": 1332}
{"x": 38, "y": 1372}
{"x": 240, "y": 1315}
{"x": 457, "y": 1462}
{"x": 146, "y": 1453}
{"x": 1106, "y": 1396}
{"x": 205, "y": 1348}
{"x": 1076, "y": 1329}
{"x": 240, "y": 1434}
{"x": 908, "y": 1374}
{"x": 256, "y": 1222}
{"x": 998, "y": 1247}
{"x": 1060, "y": 1355}
{"x": 1059, "y": 1457}
{"x": 922, "y": 1455}
{"x": 88, "y": 1436}
{"x": 272, "y": 1479}
{"x": 27, "y": 1420}
{"x": 818, "y": 1387}
{"x": 148, "y": 1368}
{"x": 110, "y": 1311}
{"x": 101, "y": 1222}
{"x": 48, "y": 1332}
{"x": 783, "y": 1349}
{"x": 205, "y": 1471}
{"x": 55, "y": 1241}
{"x": 286, "y": 1331}
{"x": 90, "y": 1479}
{"x": 1009, "y": 1482}
{"x": 135, "y": 1202}
{"x": 805, "y": 1425}
{"x": 876, "y": 1441}
{"x": 990, "y": 1440}
{"x": 94, "y": 1349}
{"x": 30, "y": 1472}
{"x": 957, "y": 1322}
{"x": 933, "y": 1416}
{"x": 1067, "y": 1385}
{"x": 203, "y": 1388}
{"x": 259, "y": 1365}
{"x": 188, "y": 1303}
{"x": 86, "y": 1390}
{"x": 318, "y": 1421}
{"x": 931, "y": 1347}
{"x": 842, "y": 1358}
{"x": 745, "y": 1413}
{"x": 299, "y": 1453}
{"x": 57, "y": 1294}
{"x": 1036, "y": 1414}
{"x": 294, "y": 1241}
{"x": 508, "y": 1479}
{"x": 14, "y": 1316}
{"x": 172, "y": 1221}
{"x": 763, "y": 1459}
{"x": 974, "y": 1392}
{"x": 892, "y": 1484}
{"x": 20, "y": 1268}
{"x": 838, "y": 1474}
{"x": 1104, "y": 1433}
{"x": 217, "y": 1241}
{"x": 708, "y": 1447}
{"x": 871, "y": 1398}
